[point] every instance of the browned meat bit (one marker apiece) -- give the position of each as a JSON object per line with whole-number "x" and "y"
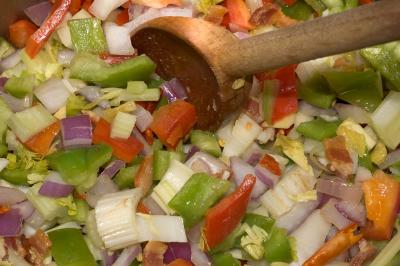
{"x": 367, "y": 252}
{"x": 153, "y": 254}
{"x": 338, "y": 156}
{"x": 37, "y": 247}
{"x": 270, "y": 14}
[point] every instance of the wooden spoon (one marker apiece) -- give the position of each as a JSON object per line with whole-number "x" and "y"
{"x": 207, "y": 58}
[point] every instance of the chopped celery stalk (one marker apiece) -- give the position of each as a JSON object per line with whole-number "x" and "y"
{"x": 49, "y": 208}
{"x": 125, "y": 177}
{"x": 6, "y": 48}
{"x": 196, "y": 196}
{"x": 161, "y": 161}
{"x": 383, "y": 58}
{"x": 299, "y": 10}
{"x": 147, "y": 95}
{"x": 386, "y": 120}
{"x": 388, "y": 252}
{"x": 318, "y": 129}
{"x": 68, "y": 248}
{"x": 122, "y": 125}
{"x": 176, "y": 155}
{"x": 21, "y": 86}
{"x": 92, "y": 69}
{"x": 15, "y": 176}
{"x": 316, "y": 91}
{"x": 87, "y": 35}
{"x": 277, "y": 247}
{"x": 157, "y": 145}
{"x": 270, "y": 91}
{"x": 317, "y": 5}
{"x": 82, "y": 210}
{"x": 29, "y": 122}
{"x": 91, "y": 230}
{"x": 5, "y": 114}
{"x": 136, "y": 87}
{"x": 363, "y": 89}
{"x": 75, "y": 104}
{"x": 224, "y": 259}
{"x": 205, "y": 141}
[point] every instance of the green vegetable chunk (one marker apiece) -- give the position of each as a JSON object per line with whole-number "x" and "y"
{"x": 125, "y": 177}
{"x": 70, "y": 249}
{"x": 20, "y": 86}
{"x": 318, "y": 129}
{"x": 161, "y": 160}
{"x": 6, "y": 48}
{"x": 261, "y": 221}
{"x": 205, "y": 141}
{"x": 224, "y": 259}
{"x": 79, "y": 166}
{"x": 90, "y": 68}
{"x": 299, "y": 11}
{"x": 363, "y": 89}
{"x": 87, "y": 35}
{"x": 17, "y": 177}
{"x": 316, "y": 92}
{"x": 75, "y": 104}
{"x": 277, "y": 247}
{"x": 198, "y": 194}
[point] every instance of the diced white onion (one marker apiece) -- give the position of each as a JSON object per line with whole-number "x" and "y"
{"x": 102, "y": 8}
{"x": 118, "y": 39}
{"x": 53, "y": 94}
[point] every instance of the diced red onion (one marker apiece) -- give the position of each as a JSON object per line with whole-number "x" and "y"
{"x": 153, "y": 206}
{"x": 15, "y": 104}
{"x": 108, "y": 257}
{"x": 240, "y": 169}
{"x": 358, "y": 114}
{"x": 177, "y": 251}
{"x": 392, "y": 158}
{"x": 253, "y": 109}
{"x": 55, "y": 187}
{"x": 25, "y": 208}
{"x": 10, "y": 223}
{"x": 11, "y": 196}
{"x": 199, "y": 258}
{"x": 128, "y": 255}
{"x": 340, "y": 189}
{"x": 268, "y": 178}
{"x": 39, "y": 12}
{"x": 362, "y": 174}
{"x": 252, "y": 154}
{"x": 65, "y": 57}
{"x": 10, "y": 61}
{"x": 297, "y": 215}
{"x": 173, "y": 90}
{"x": 36, "y": 220}
{"x": 204, "y": 162}
{"x": 316, "y": 164}
{"x": 104, "y": 185}
{"x": 112, "y": 168}
{"x": 353, "y": 211}
{"x": 194, "y": 233}
{"x": 3, "y": 81}
{"x": 191, "y": 151}
{"x": 332, "y": 215}
{"x": 146, "y": 147}
{"x": 143, "y": 118}
{"x": 76, "y": 131}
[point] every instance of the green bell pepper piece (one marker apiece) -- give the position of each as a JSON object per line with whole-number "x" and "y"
{"x": 6, "y": 48}
{"x": 231, "y": 241}
{"x": 79, "y": 166}
{"x": 386, "y": 59}
{"x": 68, "y": 248}
{"x": 316, "y": 92}
{"x": 90, "y": 68}
{"x": 298, "y": 11}
{"x": 125, "y": 177}
{"x": 265, "y": 223}
{"x": 318, "y": 129}
{"x": 198, "y": 194}
{"x": 161, "y": 160}
{"x": 205, "y": 141}
{"x": 82, "y": 209}
{"x": 87, "y": 35}
{"x": 154, "y": 83}
{"x": 363, "y": 89}
{"x": 224, "y": 259}
{"x": 317, "y": 5}
{"x": 17, "y": 177}
{"x": 21, "y": 86}
{"x": 277, "y": 247}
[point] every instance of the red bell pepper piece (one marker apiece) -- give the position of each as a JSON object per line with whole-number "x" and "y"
{"x": 223, "y": 218}
{"x": 173, "y": 121}
{"x": 268, "y": 162}
{"x": 123, "y": 149}
{"x": 363, "y": 2}
{"x": 20, "y": 32}
{"x": 144, "y": 176}
{"x": 239, "y": 14}
{"x": 381, "y": 194}
{"x": 122, "y": 17}
{"x": 38, "y": 39}
{"x": 41, "y": 142}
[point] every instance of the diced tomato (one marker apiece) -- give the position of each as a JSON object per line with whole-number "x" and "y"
{"x": 363, "y": 2}
{"x": 173, "y": 121}
{"x": 20, "y": 32}
{"x": 180, "y": 262}
{"x": 38, "y": 39}
{"x": 225, "y": 216}
{"x": 122, "y": 17}
{"x": 239, "y": 14}
{"x": 144, "y": 176}
{"x": 123, "y": 149}
{"x": 381, "y": 194}
{"x": 289, "y": 2}
{"x": 149, "y": 106}
{"x": 41, "y": 142}
{"x": 268, "y": 162}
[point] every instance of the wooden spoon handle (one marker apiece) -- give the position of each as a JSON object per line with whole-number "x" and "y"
{"x": 354, "y": 29}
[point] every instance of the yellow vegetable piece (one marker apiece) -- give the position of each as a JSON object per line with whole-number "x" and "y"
{"x": 306, "y": 196}
{"x": 294, "y": 149}
{"x": 379, "y": 153}
{"x": 355, "y": 140}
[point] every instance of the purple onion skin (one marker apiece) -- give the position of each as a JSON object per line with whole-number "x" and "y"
{"x": 55, "y": 190}
{"x": 177, "y": 251}
{"x": 10, "y": 223}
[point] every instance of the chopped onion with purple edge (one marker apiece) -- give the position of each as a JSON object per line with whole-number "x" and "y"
{"x": 76, "y": 131}
{"x": 92, "y": 93}
{"x": 173, "y": 90}
{"x": 112, "y": 168}
{"x": 128, "y": 255}
{"x": 55, "y": 187}
{"x": 268, "y": 178}
{"x": 199, "y": 257}
{"x": 146, "y": 147}
{"x": 340, "y": 189}
{"x": 25, "y": 208}
{"x": 39, "y": 12}
{"x": 392, "y": 158}
{"x": 104, "y": 185}
{"x": 332, "y": 215}
{"x": 143, "y": 118}
{"x": 108, "y": 257}
{"x": 10, "y": 61}
{"x": 153, "y": 206}
{"x": 353, "y": 211}
{"x": 191, "y": 151}
{"x": 10, "y": 223}
{"x": 204, "y": 162}
{"x": 11, "y": 196}
{"x": 177, "y": 251}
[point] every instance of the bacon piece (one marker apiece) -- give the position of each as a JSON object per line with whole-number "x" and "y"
{"x": 270, "y": 14}
{"x": 38, "y": 247}
{"x": 154, "y": 253}
{"x": 367, "y": 252}
{"x": 338, "y": 155}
